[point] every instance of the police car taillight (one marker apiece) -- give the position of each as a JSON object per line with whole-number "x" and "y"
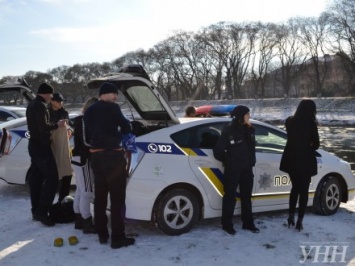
{"x": 8, "y": 142}
{"x": 136, "y": 158}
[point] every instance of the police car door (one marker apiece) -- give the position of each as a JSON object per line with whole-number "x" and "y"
{"x": 207, "y": 169}
{"x": 271, "y": 186}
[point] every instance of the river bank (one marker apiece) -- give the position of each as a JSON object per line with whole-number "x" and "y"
{"x": 338, "y": 111}
{"x": 330, "y": 111}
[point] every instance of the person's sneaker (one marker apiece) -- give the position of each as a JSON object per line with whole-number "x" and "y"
{"x": 251, "y": 228}
{"x": 124, "y": 242}
{"x": 44, "y": 219}
{"x": 229, "y": 230}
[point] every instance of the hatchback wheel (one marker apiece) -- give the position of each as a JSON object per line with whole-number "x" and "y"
{"x": 176, "y": 212}
{"x": 328, "y": 196}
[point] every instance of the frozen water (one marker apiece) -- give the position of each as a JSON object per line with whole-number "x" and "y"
{"x": 330, "y": 111}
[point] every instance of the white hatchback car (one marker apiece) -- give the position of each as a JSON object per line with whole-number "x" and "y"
{"x": 8, "y": 113}
{"x": 175, "y": 180}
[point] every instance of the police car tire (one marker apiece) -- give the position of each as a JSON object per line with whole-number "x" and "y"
{"x": 167, "y": 215}
{"x": 328, "y": 196}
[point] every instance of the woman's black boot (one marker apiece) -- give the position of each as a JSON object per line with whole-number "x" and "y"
{"x": 291, "y": 220}
{"x": 299, "y": 225}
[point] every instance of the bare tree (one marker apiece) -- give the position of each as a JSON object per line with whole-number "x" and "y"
{"x": 242, "y": 40}
{"x": 215, "y": 43}
{"x": 341, "y": 18}
{"x": 35, "y": 78}
{"x": 312, "y": 35}
{"x": 290, "y": 56}
{"x": 262, "y": 55}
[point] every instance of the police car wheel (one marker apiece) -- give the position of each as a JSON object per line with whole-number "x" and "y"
{"x": 176, "y": 212}
{"x": 328, "y": 196}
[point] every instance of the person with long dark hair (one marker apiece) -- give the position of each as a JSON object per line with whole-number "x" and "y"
{"x": 299, "y": 157}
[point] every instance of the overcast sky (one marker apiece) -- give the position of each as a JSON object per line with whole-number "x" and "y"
{"x": 43, "y": 34}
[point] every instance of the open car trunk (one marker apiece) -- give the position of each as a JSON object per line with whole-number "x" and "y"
{"x": 17, "y": 90}
{"x": 139, "y": 100}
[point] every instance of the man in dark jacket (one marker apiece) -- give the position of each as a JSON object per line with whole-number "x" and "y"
{"x": 43, "y": 180}
{"x": 236, "y": 149}
{"x": 105, "y": 126}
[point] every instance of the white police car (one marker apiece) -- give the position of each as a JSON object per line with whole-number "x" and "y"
{"x": 175, "y": 180}
{"x": 8, "y": 113}
{"x": 14, "y": 157}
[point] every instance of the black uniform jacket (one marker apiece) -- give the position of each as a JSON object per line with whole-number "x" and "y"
{"x": 80, "y": 149}
{"x": 299, "y": 155}
{"x": 236, "y": 146}
{"x": 105, "y": 125}
{"x": 56, "y": 115}
{"x": 38, "y": 121}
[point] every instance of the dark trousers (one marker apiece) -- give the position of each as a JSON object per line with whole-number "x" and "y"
{"x": 299, "y": 192}
{"x": 244, "y": 178}
{"x": 109, "y": 170}
{"x": 64, "y": 187}
{"x": 43, "y": 177}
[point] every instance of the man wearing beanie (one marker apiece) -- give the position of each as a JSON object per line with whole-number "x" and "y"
{"x": 236, "y": 149}
{"x": 43, "y": 180}
{"x": 104, "y": 129}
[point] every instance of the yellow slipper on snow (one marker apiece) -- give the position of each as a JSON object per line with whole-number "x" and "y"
{"x": 58, "y": 242}
{"x": 73, "y": 240}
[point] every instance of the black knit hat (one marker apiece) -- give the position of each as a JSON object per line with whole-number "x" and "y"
{"x": 239, "y": 112}
{"x": 45, "y": 88}
{"x": 107, "y": 87}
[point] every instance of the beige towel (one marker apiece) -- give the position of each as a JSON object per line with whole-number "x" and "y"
{"x": 61, "y": 151}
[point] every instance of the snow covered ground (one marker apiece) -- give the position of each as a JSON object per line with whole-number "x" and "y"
{"x": 324, "y": 240}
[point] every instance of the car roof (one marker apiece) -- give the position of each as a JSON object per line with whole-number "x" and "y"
{"x": 14, "y": 123}
{"x": 11, "y": 107}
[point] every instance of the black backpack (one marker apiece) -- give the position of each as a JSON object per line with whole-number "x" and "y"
{"x": 62, "y": 212}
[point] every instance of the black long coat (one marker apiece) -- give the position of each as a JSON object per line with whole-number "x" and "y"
{"x": 299, "y": 154}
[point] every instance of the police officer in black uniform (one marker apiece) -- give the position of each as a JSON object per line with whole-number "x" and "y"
{"x": 236, "y": 149}
{"x": 43, "y": 180}
{"x": 105, "y": 126}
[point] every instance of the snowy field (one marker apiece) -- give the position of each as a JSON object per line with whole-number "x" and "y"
{"x": 325, "y": 240}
